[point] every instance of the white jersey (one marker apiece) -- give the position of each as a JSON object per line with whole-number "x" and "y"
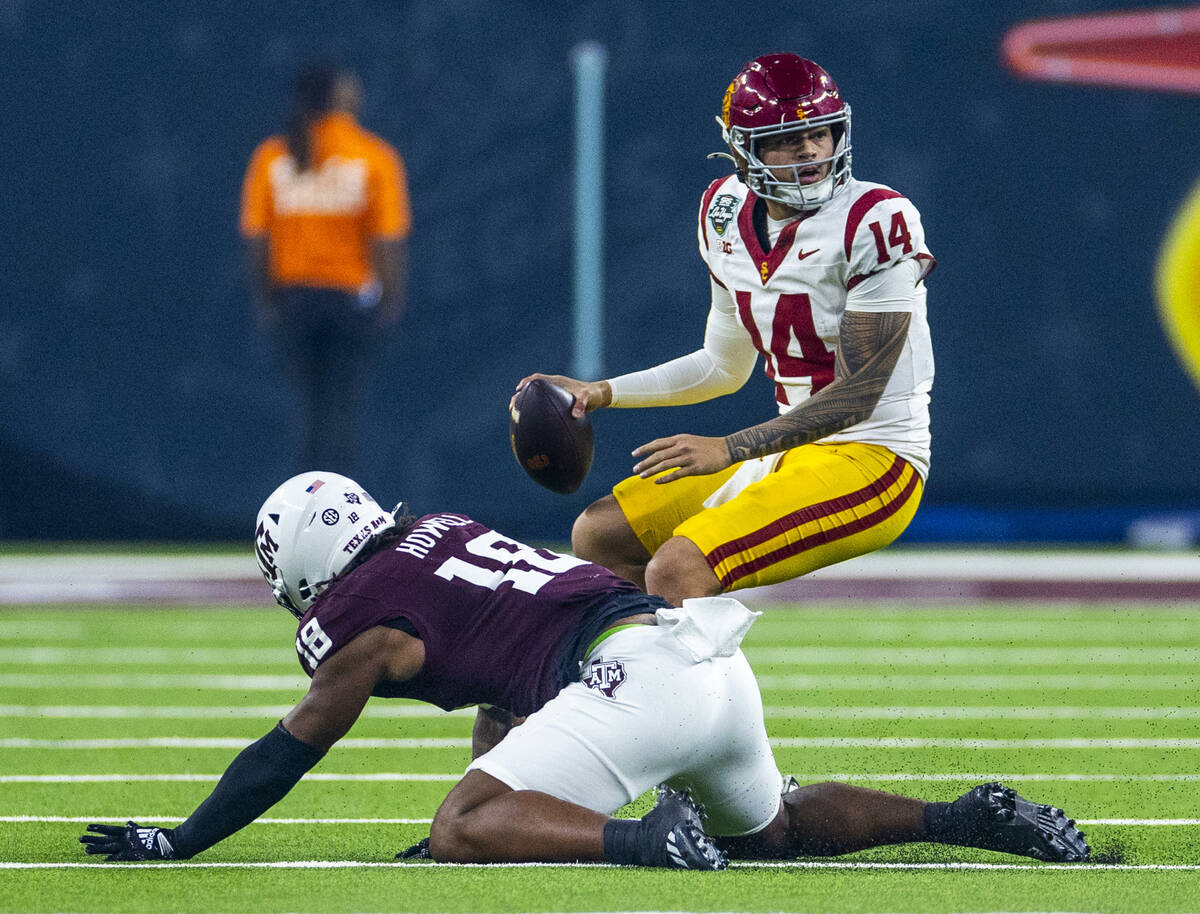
{"x": 864, "y": 250}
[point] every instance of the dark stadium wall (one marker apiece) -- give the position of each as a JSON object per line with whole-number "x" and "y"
{"x": 131, "y": 374}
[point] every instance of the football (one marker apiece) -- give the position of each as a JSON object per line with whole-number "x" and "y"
{"x": 550, "y": 444}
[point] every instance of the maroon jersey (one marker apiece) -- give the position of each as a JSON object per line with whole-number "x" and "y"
{"x": 502, "y": 623}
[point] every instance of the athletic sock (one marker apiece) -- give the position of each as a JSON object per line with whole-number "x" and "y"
{"x": 940, "y": 824}
{"x": 621, "y": 841}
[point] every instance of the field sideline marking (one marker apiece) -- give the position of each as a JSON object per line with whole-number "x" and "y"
{"x": 831, "y": 712}
{"x": 802, "y": 777}
{"x": 364, "y": 821}
{"x": 777, "y": 864}
{"x": 796, "y": 742}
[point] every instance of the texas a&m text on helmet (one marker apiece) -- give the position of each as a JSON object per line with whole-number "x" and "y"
{"x": 780, "y": 94}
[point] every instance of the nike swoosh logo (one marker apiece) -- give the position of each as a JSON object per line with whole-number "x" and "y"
{"x": 800, "y": 255}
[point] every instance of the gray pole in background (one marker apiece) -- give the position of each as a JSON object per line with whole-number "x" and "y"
{"x": 588, "y": 61}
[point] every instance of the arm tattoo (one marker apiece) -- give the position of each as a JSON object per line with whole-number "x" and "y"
{"x": 868, "y": 347}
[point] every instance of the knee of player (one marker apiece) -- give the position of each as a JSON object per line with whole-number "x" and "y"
{"x": 678, "y": 571}
{"x": 448, "y": 838}
{"x": 585, "y": 537}
{"x": 600, "y": 534}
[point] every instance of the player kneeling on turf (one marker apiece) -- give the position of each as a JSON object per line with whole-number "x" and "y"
{"x": 619, "y": 692}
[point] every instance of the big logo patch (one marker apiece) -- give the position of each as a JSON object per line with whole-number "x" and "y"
{"x": 720, "y": 213}
{"x": 605, "y": 676}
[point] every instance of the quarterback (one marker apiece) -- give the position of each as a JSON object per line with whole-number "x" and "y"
{"x": 591, "y": 692}
{"x": 823, "y": 276}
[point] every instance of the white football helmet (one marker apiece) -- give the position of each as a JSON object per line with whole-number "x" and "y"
{"x": 311, "y": 528}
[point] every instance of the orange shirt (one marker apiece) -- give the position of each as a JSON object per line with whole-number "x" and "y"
{"x": 319, "y": 224}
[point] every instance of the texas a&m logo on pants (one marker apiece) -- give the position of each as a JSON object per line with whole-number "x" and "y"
{"x": 605, "y": 676}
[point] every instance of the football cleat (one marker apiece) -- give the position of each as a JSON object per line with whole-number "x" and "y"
{"x": 672, "y": 835}
{"x": 996, "y": 818}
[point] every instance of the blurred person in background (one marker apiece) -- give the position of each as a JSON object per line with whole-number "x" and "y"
{"x": 823, "y": 275}
{"x": 325, "y": 217}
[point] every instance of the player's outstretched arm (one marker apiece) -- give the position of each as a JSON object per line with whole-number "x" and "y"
{"x": 263, "y": 772}
{"x": 589, "y": 395}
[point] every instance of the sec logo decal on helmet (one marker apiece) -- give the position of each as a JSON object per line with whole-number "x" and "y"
{"x": 775, "y": 95}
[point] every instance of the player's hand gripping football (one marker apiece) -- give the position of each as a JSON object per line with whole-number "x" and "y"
{"x": 688, "y": 455}
{"x": 128, "y": 842}
{"x": 589, "y": 395}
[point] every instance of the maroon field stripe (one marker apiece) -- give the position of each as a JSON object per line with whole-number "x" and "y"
{"x": 810, "y": 513}
{"x": 823, "y": 537}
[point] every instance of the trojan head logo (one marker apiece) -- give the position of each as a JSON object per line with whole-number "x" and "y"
{"x": 605, "y": 676}
{"x": 720, "y": 214}
{"x": 725, "y": 102}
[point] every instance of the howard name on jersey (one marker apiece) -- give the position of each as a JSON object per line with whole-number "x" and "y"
{"x": 863, "y": 250}
{"x": 503, "y": 623}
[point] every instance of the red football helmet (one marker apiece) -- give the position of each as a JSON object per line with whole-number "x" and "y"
{"x": 779, "y": 94}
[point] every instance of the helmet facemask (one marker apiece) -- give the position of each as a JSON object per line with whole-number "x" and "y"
{"x": 746, "y": 143}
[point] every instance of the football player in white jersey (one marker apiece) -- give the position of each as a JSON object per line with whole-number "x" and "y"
{"x": 823, "y": 276}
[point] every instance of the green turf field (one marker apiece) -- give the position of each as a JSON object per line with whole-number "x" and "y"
{"x": 111, "y": 713}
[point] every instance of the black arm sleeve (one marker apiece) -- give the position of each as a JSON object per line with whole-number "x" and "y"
{"x": 256, "y": 780}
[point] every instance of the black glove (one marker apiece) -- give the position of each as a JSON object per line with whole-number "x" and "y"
{"x": 128, "y": 842}
{"x": 419, "y": 851}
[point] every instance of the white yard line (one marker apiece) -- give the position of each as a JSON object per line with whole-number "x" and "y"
{"x": 981, "y": 654}
{"x": 190, "y": 681}
{"x": 187, "y": 778}
{"x": 775, "y": 864}
{"x": 151, "y": 817}
{"x": 227, "y": 742}
{"x": 211, "y": 712}
{"x": 284, "y": 654}
{"x": 799, "y": 742}
{"x": 802, "y": 777}
{"x": 917, "y": 742}
{"x": 1184, "y": 677}
{"x": 988, "y": 682}
{"x": 974, "y": 656}
{"x": 981, "y": 712}
{"x": 266, "y": 820}
{"x": 381, "y": 710}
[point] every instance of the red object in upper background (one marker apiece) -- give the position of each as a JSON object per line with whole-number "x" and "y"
{"x": 1143, "y": 49}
